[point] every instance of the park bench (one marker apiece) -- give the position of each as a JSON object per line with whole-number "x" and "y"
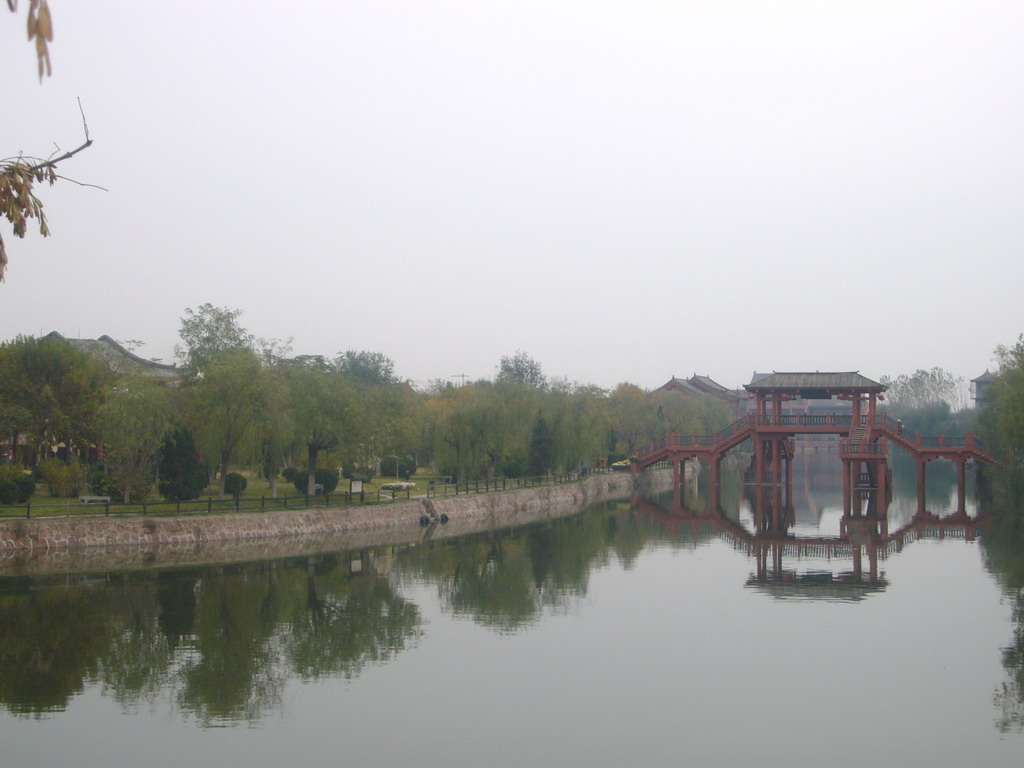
{"x": 94, "y": 499}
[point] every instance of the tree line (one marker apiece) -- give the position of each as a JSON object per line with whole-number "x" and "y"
{"x": 244, "y": 402}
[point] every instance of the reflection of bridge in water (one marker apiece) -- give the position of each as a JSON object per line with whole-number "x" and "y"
{"x": 789, "y": 566}
{"x": 864, "y": 438}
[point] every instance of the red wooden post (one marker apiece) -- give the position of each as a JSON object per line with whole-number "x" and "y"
{"x": 961, "y": 489}
{"x": 846, "y": 486}
{"x": 776, "y": 460}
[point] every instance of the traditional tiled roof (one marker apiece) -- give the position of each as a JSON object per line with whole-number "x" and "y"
{"x": 985, "y": 377}
{"x": 678, "y": 385}
{"x": 710, "y": 386}
{"x": 118, "y": 359}
{"x": 844, "y": 381}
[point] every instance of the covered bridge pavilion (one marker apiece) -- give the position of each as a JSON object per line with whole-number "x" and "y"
{"x": 864, "y": 434}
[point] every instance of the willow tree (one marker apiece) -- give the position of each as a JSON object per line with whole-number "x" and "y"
{"x": 132, "y": 422}
{"x": 324, "y": 411}
{"x": 227, "y": 402}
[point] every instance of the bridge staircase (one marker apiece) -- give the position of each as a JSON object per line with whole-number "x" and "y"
{"x": 925, "y": 448}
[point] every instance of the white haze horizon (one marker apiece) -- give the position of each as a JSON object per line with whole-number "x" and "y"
{"x": 624, "y": 191}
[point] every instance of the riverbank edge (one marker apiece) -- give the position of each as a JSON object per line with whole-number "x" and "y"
{"x": 29, "y": 547}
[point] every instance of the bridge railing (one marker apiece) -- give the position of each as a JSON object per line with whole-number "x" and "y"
{"x": 883, "y": 421}
{"x": 968, "y": 441}
{"x": 706, "y": 440}
{"x": 851, "y": 448}
{"x": 741, "y": 424}
{"x": 805, "y": 420}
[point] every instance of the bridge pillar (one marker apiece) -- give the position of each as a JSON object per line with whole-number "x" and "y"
{"x": 776, "y": 460}
{"x": 758, "y": 459}
{"x": 882, "y": 487}
{"x": 846, "y": 487}
{"x": 961, "y": 486}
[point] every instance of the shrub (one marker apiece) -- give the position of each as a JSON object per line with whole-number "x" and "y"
{"x": 8, "y": 492}
{"x": 289, "y": 473}
{"x": 615, "y": 456}
{"x": 103, "y": 484}
{"x": 234, "y": 483}
{"x": 26, "y": 487}
{"x": 15, "y": 474}
{"x": 324, "y": 477}
{"x": 62, "y": 479}
{"x": 514, "y": 467}
{"x": 182, "y": 476}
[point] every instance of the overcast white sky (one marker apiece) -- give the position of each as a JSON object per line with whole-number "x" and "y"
{"x": 624, "y": 190}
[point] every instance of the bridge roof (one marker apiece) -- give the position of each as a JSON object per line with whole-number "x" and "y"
{"x": 832, "y": 382}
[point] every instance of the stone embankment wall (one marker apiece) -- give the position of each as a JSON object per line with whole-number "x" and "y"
{"x": 90, "y": 543}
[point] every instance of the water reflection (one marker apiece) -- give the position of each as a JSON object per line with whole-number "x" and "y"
{"x": 1003, "y": 545}
{"x": 806, "y": 541}
{"x": 224, "y": 643}
{"x": 224, "y": 640}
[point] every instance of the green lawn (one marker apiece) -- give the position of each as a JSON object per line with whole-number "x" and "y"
{"x": 257, "y": 488}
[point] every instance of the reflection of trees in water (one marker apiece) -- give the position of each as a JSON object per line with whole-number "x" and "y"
{"x": 495, "y": 579}
{"x": 51, "y": 641}
{"x": 137, "y": 661}
{"x": 1003, "y": 545}
{"x": 507, "y": 580}
{"x": 224, "y": 641}
{"x": 346, "y": 624}
{"x": 229, "y": 668}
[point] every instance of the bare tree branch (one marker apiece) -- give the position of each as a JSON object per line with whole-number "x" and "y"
{"x": 18, "y": 176}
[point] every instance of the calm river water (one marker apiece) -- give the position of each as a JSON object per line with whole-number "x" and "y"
{"x": 628, "y": 635}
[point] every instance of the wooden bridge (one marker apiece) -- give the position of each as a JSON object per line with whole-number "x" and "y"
{"x": 864, "y": 435}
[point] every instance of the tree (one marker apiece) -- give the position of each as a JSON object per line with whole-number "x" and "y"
{"x": 1004, "y": 417}
{"x": 58, "y": 387}
{"x": 14, "y": 420}
{"x": 387, "y": 402}
{"x": 182, "y": 476}
{"x": 209, "y": 332}
{"x": 522, "y": 369}
{"x": 132, "y": 423}
{"x": 923, "y": 388}
{"x": 227, "y": 401}
{"x": 499, "y": 418}
{"x": 275, "y": 427}
{"x": 541, "y": 453}
{"x": 368, "y": 368}
{"x": 323, "y": 411}
{"x": 19, "y": 175}
{"x": 578, "y": 422}
{"x": 632, "y": 417}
